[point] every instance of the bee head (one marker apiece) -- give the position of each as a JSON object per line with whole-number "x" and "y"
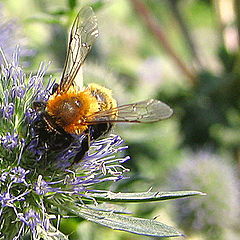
{"x": 39, "y": 106}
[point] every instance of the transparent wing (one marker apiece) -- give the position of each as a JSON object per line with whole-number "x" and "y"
{"x": 82, "y": 36}
{"x": 140, "y": 112}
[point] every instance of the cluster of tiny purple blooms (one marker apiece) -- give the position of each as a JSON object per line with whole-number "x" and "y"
{"x": 27, "y": 179}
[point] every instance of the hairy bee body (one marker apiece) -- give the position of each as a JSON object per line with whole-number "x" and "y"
{"x": 74, "y": 113}
{"x": 70, "y": 109}
{"x": 49, "y": 135}
{"x": 62, "y": 117}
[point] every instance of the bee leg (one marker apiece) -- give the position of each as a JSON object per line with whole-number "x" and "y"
{"x": 89, "y": 139}
{"x": 85, "y": 144}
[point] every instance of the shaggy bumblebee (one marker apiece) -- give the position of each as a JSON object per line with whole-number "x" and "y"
{"x": 87, "y": 112}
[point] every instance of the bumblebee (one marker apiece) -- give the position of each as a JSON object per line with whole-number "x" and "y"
{"x": 86, "y": 112}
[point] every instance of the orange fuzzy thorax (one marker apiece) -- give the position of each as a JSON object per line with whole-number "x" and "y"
{"x": 71, "y": 108}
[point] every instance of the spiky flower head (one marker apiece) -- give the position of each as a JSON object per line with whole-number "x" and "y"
{"x": 38, "y": 186}
{"x": 218, "y": 215}
{"x": 39, "y": 183}
{"x": 31, "y": 185}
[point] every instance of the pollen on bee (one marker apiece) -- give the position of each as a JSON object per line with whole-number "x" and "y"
{"x": 103, "y": 95}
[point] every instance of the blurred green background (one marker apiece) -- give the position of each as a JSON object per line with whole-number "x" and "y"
{"x": 183, "y": 52}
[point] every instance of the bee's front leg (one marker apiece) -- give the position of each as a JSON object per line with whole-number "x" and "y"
{"x": 85, "y": 145}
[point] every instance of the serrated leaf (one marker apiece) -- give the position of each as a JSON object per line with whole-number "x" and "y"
{"x": 143, "y": 196}
{"x": 125, "y": 223}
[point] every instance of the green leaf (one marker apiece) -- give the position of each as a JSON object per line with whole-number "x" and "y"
{"x": 108, "y": 207}
{"x": 51, "y": 234}
{"x": 124, "y": 223}
{"x": 143, "y": 196}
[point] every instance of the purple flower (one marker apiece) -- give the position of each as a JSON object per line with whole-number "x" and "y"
{"x": 42, "y": 187}
{"x": 31, "y": 176}
{"x": 18, "y": 175}
{"x": 8, "y": 111}
{"x": 30, "y": 115}
{"x": 3, "y": 176}
{"x": 10, "y": 141}
{"x": 217, "y": 177}
{"x": 36, "y": 82}
{"x": 31, "y": 218}
{"x": 99, "y": 165}
{"x": 18, "y": 91}
{"x": 101, "y": 158}
{"x": 5, "y": 199}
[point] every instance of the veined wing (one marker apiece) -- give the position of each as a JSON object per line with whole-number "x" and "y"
{"x": 141, "y": 112}
{"x": 82, "y": 36}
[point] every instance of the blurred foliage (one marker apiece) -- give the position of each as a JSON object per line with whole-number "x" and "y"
{"x": 183, "y": 52}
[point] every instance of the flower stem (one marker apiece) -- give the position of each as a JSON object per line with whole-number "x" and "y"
{"x": 151, "y": 22}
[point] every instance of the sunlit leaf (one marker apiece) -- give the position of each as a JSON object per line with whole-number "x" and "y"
{"x": 125, "y": 223}
{"x": 143, "y": 196}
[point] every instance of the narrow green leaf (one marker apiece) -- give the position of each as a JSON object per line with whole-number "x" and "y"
{"x": 143, "y": 196}
{"x": 108, "y": 207}
{"x": 125, "y": 223}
